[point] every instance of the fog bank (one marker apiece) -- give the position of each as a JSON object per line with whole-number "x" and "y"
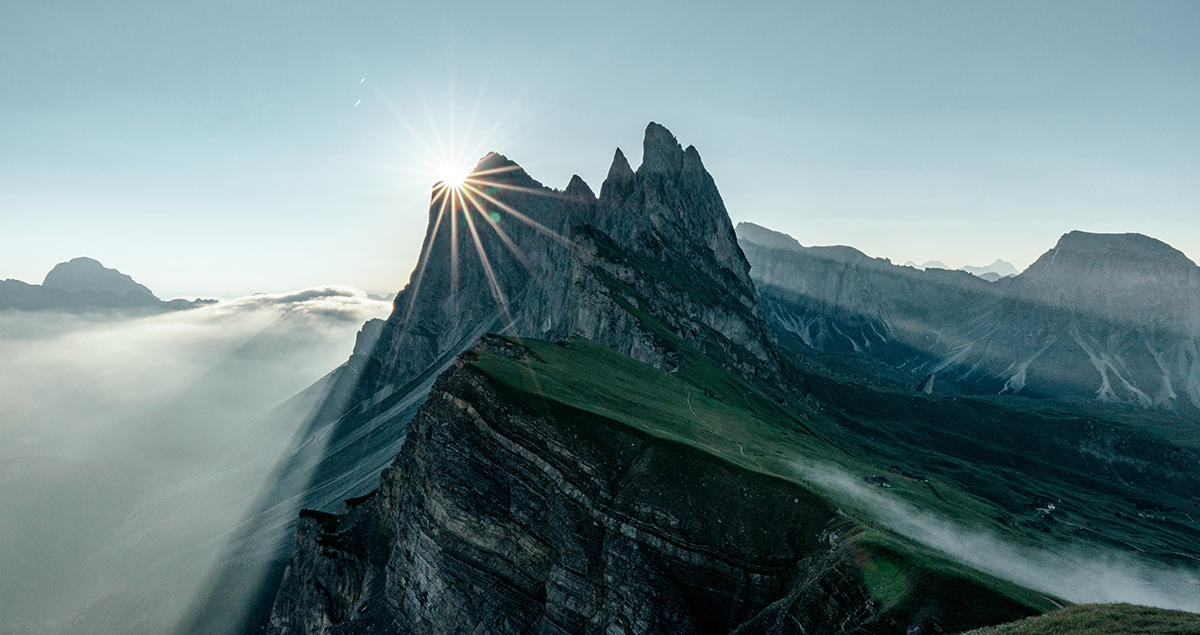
{"x": 129, "y": 447}
{"x": 1078, "y": 574}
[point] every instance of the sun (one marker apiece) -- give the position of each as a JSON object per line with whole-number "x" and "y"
{"x": 472, "y": 205}
{"x": 454, "y": 177}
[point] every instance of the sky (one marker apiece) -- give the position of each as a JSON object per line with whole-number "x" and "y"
{"x": 227, "y": 148}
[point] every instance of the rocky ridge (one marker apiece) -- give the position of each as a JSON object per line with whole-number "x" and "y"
{"x": 1112, "y": 318}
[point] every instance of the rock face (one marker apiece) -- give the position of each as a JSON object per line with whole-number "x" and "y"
{"x": 554, "y": 264}
{"x": 496, "y": 518}
{"x": 82, "y": 284}
{"x": 1114, "y": 318}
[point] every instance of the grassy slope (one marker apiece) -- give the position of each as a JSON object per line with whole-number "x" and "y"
{"x": 1004, "y": 456}
{"x": 710, "y": 409}
{"x": 1101, "y": 619}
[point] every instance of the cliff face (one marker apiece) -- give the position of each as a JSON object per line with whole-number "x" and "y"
{"x": 508, "y": 516}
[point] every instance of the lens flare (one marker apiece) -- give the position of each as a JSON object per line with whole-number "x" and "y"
{"x": 454, "y": 177}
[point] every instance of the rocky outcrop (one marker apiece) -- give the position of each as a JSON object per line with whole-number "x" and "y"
{"x": 1113, "y": 318}
{"x": 498, "y": 518}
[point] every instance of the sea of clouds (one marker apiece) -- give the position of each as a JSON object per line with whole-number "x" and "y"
{"x": 130, "y": 447}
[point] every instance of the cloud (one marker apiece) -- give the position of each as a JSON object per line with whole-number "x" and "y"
{"x": 131, "y": 447}
{"x": 1071, "y": 572}
{"x": 331, "y": 301}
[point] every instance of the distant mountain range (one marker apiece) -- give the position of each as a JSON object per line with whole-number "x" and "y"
{"x": 1109, "y": 317}
{"x": 83, "y": 284}
{"x": 993, "y": 272}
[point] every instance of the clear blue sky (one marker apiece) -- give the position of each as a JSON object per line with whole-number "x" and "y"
{"x": 217, "y": 150}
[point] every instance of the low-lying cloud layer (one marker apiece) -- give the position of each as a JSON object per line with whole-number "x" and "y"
{"x": 1073, "y": 573}
{"x": 130, "y": 447}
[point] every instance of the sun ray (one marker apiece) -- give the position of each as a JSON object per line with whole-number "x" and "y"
{"x": 497, "y": 292}
{"x": 508, "y": 242}
{"x": 515, "y": 214}
{"x": 515, "y": 188}
{"x": 454, "y": 251}
{"x": 437, "y": 223}
{"x": 471, "y": 122}
{"x": 503, "y": 168}
{"x": 442, "y": 155}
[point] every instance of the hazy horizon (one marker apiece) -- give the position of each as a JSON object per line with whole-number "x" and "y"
{"x": 220, "y": 151}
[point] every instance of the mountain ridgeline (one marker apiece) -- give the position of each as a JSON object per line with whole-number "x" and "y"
{"x": 83, "y": 284}
{"x": 1106, "y": 317}
{"x": 626, "y": 450}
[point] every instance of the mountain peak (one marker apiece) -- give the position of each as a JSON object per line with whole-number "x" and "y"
{"x": 1092, "y": 252}
{"x": 1127, "y": 277}
{"x": 661, "y": 152}
{"x": 619, "y": 181}
{"x": 87, "y": 274}
{"x": 620, "y": 166}
{"x": 495, "y": 161}
{"x": 998, "y": 269}
{"x": 1134, "y": 246}
{"x": 764, "y": 237}
{"x": 577, "y": 188}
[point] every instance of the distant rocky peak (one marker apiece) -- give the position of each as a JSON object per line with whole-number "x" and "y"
{"x": 87, "y": 274}
{"x": 764, "y": 237}
{"x": 1125, "y": 248}
{"x": 692, "y": 162}
{"x": 998, "y": 269}
{"x": 619, "y": 181}
{"x": 661, "y": 152}
{"x": 1111, "y": 259}
{"x": 578, "y": 189}
{"x": 1126, "y": 277}
{"x": 670, "y": 208}
{"x": 499, "y": 168}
